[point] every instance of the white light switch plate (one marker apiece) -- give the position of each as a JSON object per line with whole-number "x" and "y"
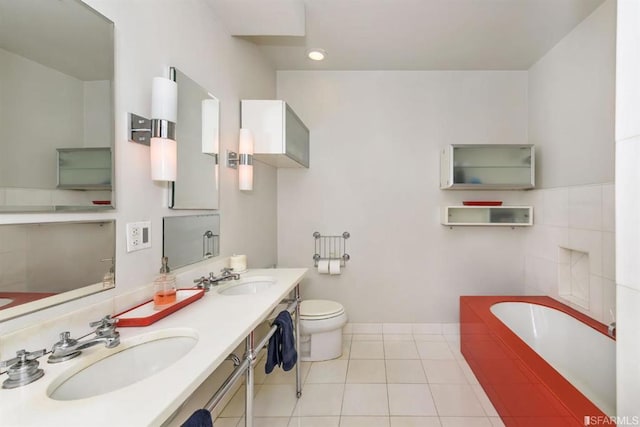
{"x": 138, "y": 236}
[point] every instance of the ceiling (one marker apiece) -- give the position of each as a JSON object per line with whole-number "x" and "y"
{"x": 404, "y": 34}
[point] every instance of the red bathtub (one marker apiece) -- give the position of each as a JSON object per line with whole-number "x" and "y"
{"x": 526, "y": 389}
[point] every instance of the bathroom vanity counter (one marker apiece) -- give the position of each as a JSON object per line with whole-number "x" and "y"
{"x": 220, "y": 322}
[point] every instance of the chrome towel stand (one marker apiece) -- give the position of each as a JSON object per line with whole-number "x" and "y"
{"x": 245, "y": 366}
{"x": 331, "y": 247}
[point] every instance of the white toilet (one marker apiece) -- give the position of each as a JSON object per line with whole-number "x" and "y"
{"x": 321, "y": 323}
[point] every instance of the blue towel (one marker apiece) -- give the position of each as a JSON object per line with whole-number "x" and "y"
{"x": 282, "y": 348}
{"x": 200, "y": 418}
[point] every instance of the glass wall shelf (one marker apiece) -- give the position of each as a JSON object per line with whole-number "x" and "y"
{"x": 510, "y": 216}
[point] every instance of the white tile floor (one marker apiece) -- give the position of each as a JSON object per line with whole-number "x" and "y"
{"x": 382, "y": 380}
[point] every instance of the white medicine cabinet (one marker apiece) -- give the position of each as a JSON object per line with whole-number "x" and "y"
{"x": 280, "y": 137}
{"x": 487, "y": 167}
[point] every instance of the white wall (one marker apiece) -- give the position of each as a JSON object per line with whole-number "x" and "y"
{"x": 97, "y": 119}
{"x": 571, "y": 121}
{"x": 54, "y": 258}
{"x": 52, "y": 95}
{"x": 230, "y": 68}
{"x": 375, "y": 141}
{"x": 572, "y": 104}
{"x": 628, "y": 206}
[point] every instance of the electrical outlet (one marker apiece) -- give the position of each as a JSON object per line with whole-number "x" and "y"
{"x": 138, "y": 236}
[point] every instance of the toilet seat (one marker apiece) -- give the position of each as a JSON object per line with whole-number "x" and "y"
{"x": 319, "y": 309}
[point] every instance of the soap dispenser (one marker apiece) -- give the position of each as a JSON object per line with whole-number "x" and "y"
{"x": 164, "y": 287}
{"x": 109, "y": 278}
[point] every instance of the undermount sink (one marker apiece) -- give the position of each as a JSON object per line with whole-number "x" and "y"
{"x": 248, "y": 285}
{"x": 5, "y": 301}
{"x": 130, "y": 362}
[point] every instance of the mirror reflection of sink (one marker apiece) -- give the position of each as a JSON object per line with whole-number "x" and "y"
{"x": 132, "y": 361}
{"x": 248, "y": 285}
{"x": 5, "y": 301}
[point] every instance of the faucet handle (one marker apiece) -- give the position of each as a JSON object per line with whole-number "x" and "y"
{"x": 23, "y": 369}
{"x": 226, "y": 271}
{"x": 22, "y": 356}
{"x": 203, "y": 283}
{"x": 65, "y": 340}
{"x": 105, "y": 321}
{"x": 106, "y": 325}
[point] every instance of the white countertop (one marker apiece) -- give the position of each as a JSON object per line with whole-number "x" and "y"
{"x": 220, "y": 322}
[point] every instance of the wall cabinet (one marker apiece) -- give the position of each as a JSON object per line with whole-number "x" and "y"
{"x": 487, "y": 167}
{"x": 281, "y": 139}
{"x": 510, "y": 216}
{"x": 84, "y": 168}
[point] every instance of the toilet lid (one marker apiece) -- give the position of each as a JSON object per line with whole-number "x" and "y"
{"x": 320, "y": 308}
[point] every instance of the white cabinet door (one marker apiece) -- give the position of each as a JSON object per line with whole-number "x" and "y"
{"x": 281, "y": 139}
{"x": 487, "y": 167}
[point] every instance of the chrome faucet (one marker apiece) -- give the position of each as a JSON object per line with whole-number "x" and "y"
{"x": 207, "y": 282}
{"x": 611, "y": 330}
{"x": 68, "y": 348}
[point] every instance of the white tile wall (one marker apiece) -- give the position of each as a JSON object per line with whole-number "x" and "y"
{"x": 574, "y": 277}
{"x": 585, "y": 207}
{"x": 580, "y": 218}
{"x": 627, "y": 209}
{"x": 628, "y": 344}
{"x": 555, "y": 210}
{"x": 608, "y": 208}
{"x": 627, "y": 204}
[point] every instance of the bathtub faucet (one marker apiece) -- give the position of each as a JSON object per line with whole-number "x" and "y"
{"x": 612, "y": 329}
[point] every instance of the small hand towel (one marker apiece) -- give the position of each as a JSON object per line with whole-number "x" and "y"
{"x": 200, "y": 418}
{"x": 282, "y": 348}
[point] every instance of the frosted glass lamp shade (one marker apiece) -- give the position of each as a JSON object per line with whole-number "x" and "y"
{"x": 245, "y": 145}
{"x": 164, "y": 99}
{"x": 245, "y": 166}
{"x": 210, "y": 123}
{"x": 164, "y": 154}
{"x": 245, "y": 177}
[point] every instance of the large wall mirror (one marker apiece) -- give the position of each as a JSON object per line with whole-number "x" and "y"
{"x": 197, "y": 134}
{"x": 45, "y": 264}
{"x": 56, "y": 106}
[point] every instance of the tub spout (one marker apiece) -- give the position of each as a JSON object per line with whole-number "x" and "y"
{"x": 612, "y": 329}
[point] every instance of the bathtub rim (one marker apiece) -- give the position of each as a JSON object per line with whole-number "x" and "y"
{"x": 571, "y": 398}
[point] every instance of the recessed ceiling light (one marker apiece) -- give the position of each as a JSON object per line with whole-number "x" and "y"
{"x": 316, "y": 54}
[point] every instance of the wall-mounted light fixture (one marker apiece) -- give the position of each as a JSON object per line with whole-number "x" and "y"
{"x": 243, "y": 161}
{"x": 159, "y": 132}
